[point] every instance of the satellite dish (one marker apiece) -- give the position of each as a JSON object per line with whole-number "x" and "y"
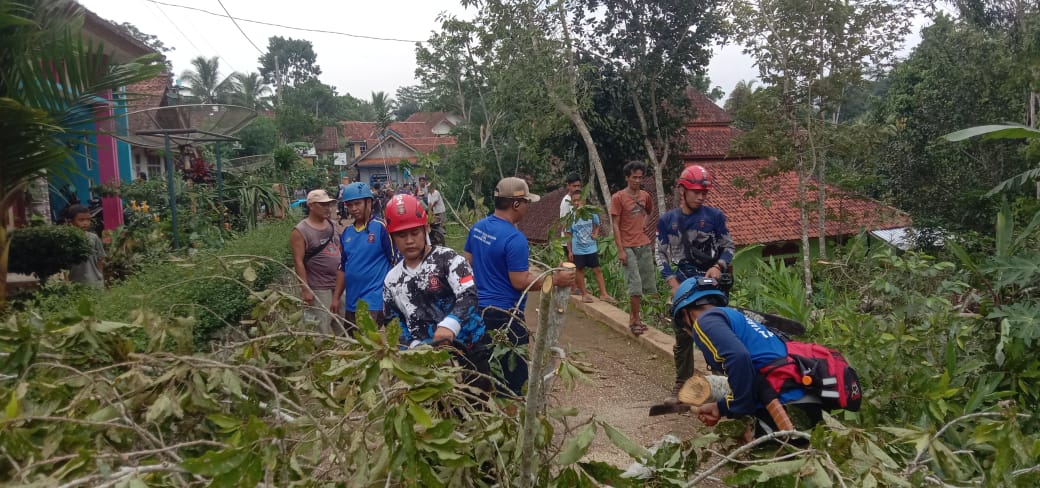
{"x": 187, "y": 124}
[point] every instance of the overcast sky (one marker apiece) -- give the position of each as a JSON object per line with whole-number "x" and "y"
{"x": 353, "y": 65}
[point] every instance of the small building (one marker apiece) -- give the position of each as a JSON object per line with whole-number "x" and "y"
{"x": 101, "y": 158}
{"x": 387, "y": 155}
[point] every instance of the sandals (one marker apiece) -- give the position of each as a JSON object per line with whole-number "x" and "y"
{"x": 637, "y": 328}
{"x": 586, "y": 299}
{"x": 609, "y": 299}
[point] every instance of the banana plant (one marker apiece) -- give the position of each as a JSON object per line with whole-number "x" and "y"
{"x": 1005, "y": 131}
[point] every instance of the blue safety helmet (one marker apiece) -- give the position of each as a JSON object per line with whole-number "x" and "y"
{"x": 356, "y": 191}
{"x": 697, "y": 292}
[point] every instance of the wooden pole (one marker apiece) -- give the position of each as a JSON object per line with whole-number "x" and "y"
{"x": 552, "y": 308}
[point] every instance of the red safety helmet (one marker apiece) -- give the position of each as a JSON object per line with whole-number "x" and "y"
{"x": 404, "y": 212}
{"x": 695, "y": 178}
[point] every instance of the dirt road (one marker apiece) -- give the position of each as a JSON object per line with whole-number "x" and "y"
{"x": 627, "y": 379}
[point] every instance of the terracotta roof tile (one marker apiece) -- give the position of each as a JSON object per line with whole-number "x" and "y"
{"x": 144, "y": 95}
{"x": 708, "y": 142}
{"x": 706, "y": 112}
{"x": 762, "y": 209}
{"x": 329, "y": 140}
{"x": 542, "y": 215}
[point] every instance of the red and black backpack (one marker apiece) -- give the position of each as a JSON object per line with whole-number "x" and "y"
{"x": 818, "y": 370}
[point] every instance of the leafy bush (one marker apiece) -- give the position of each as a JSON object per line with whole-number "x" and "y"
{"x": 44, "y": 250}
{"x": 207, "y": 286}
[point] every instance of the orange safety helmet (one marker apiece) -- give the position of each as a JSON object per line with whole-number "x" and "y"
{"x": 695, "y": 178}
{"x": 404, "y": 212}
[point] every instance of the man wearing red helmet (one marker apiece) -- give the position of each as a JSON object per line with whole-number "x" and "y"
{"x": 431, "y": 290}
{"x": 692, "y": 242}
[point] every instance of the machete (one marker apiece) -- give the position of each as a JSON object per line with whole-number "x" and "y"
{"x": 667, "y": 408}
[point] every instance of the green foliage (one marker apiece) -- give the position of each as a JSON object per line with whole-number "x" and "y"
{"x": 206, "y": 286}
{"x": 935, "y": 92}
{"x": 285, "y": 158}
{"x": 44, "y": 250}
{"x": 204, "y": 82}
{"x": 259, "y": 137}
{"x": 295, "y": 58}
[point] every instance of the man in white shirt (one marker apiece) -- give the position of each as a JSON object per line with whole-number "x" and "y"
{"x": 435, "y": 204}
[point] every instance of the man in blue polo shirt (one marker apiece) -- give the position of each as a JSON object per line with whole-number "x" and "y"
{"x": 499, "y": 254}
{"x": 368, "y": 256}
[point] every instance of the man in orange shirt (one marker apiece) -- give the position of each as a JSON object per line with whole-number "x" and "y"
{"x": 629, "y": 210}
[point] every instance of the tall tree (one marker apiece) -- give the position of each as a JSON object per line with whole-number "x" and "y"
{"x": 250, "y": 91}
{"x": 959, "y": 76}
{"x": 737, "y": 100}
{"x": 656, "y": 45}
{"x": 43, "y": 106}
{"x": 456, "y": 66}
{"x": 149, "y": 40}
{"x": 204, "y": 82}
{"x": 537, "y": 64}
{"x": 294, "y": 59}
{"x": 810, "y": 53}
{"x": 410, "y": 99}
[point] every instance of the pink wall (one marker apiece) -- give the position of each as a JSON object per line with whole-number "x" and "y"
{"x": 108, "y": 161}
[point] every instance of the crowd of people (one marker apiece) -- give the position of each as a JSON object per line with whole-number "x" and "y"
{"x": 392, "y": 259}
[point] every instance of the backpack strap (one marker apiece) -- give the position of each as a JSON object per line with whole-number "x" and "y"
{"x": 317, "y": 250}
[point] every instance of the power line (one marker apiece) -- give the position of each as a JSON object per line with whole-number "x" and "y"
{"x": 186, "y": 38}
{"x": 233, "y": 21}
{"x": 321, "y": 31}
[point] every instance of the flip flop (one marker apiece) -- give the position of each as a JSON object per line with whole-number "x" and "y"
{"x": 586, "y": 299}
{"x": 609, "y": 299}
{"x": 637, "y": 328}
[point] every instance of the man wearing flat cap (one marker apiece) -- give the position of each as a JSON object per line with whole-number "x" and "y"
{"x": 499, "y": 253}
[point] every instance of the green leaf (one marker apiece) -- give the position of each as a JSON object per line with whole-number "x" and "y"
{"x": 561, "y": 412}
{"x": 576, "y": 446}
{"x": 225, "y": 422}
{"x": 1010, "y": 131}
{"x": 216, "y": 462}
{"x": 639, "y": 453}
{"x": 769, "y": 471}
{"x": 419, "y": 414}
{"x": 818, "y": 476}
{"x": 13, "y": 407}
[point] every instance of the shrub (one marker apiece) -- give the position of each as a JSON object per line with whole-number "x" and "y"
{"x": 208, "y": 286}
{"x": 44, "y": 250}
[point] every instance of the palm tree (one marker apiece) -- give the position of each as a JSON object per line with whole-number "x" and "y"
{"x": 49, "y": 80}
{"x": 204, "y": 82}
{"x": 384, "y": 107}
{"x": 250, "y": 91}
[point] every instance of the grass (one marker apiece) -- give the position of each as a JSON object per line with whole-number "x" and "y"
{"x": 207, "y": 285}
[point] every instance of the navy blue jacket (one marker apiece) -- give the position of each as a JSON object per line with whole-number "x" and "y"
{"x": 739, "y": 347}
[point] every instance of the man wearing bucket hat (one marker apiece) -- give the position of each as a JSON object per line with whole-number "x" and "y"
{"x": 499, "y": 253}
{"x": 316, "y": 259}
{"x": 692, "y": 241}
{"x": 366, "y": 258}
{"x": 431, "y": 290}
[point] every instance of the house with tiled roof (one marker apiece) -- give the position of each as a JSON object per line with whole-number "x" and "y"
{"x": 141, "y": 96}
{"x": 377, "y": 154}
{"x": 760, "y": 205}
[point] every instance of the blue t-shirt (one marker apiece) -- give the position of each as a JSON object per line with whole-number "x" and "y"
{"x": 367, "y": 256}
{"x": 498, "y": 248}
{"x": 582, "y": 241}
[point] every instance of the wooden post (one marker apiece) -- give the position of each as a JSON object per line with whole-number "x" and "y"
{"x": 552, "y": 308}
